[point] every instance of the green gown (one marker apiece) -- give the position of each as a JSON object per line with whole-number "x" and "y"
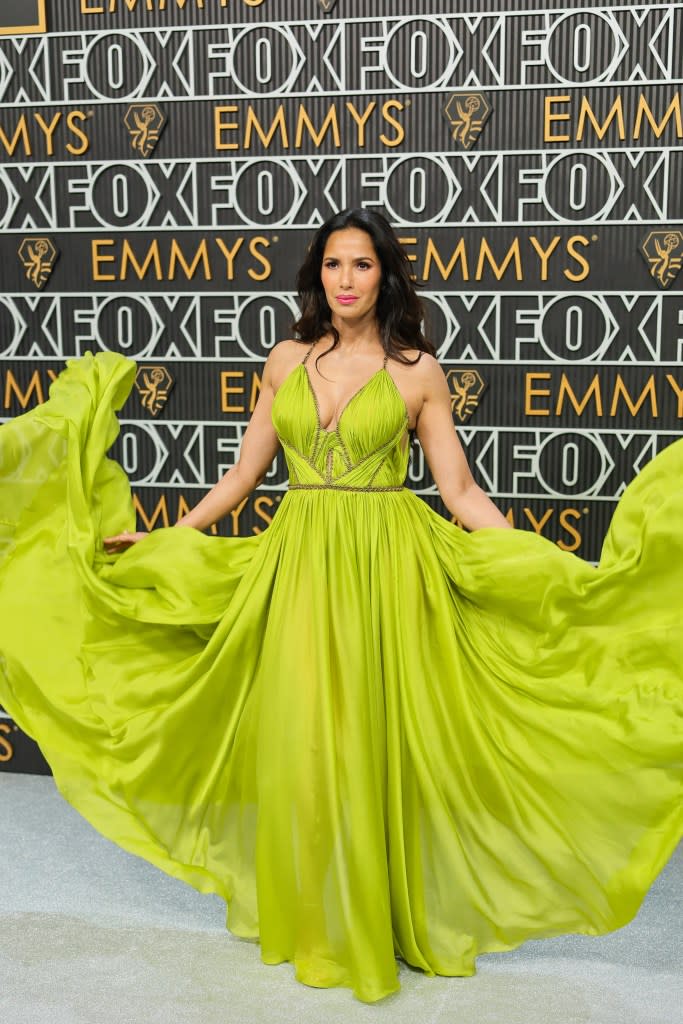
{"x": 373, "y": 734}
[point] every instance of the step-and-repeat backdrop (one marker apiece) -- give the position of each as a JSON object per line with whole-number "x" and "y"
{"x": 164, "y": 162}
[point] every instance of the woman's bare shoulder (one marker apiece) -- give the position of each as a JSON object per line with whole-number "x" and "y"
{"x": 417, "y": 357}
{"x": 423, "y": 367}
{"x": 287, "y": 350}
{"x": 283, "y": 358}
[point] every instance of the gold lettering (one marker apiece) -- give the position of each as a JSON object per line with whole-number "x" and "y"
{"x": 227, "y": 124}
{"x": 621, "y": 391}
{"x": 278, "y": 123}
{"x": 361, "y": 119}
{"x": 255, "y": 390}
{"x": 160, "y": 512}
{"x": 432, "y": 254}
{"x": 678, "y": 391}
{"x": 485, "y": 255}
{"x": 557, "y": 108}
{"x": 592, "y": 391}
{"x": 21, "y": 133}
{"x": 34, "y": 386}
{"x": 161, "y": 5}
{"x": 229, "y": 256}
{"x": 331, "y": 120}
{"x": 97, "y": 258}
{"x": 254, "y": 244}
{"x": 221, "y": 126}
{"x": 72, "y": 117}
{"x": 49, "y": 129}
{"x": 531, "y": 392}
{"x": 400, "y": 130}
{"x": 177, "y": 256}
{"x": 261, "y": 503}
{"x": 673, "y": 110}
{"x": 586, "y": 112}
{"x": 579, "y": 401}
{"x": 412, "y": 256}
{"x": 544, "y": 254}
{"x": 6, "y": 748}
{"x": 151, "y": 261}
{"x": 227, "y": 390}
{"x": 573, "y": 242}
{"x": 549, "y": 117}
{"x": 565, "y": 515}
{"x": 148, "y": 5}
{"x": 538, "y": 526}
{"x": 152, "y": 258}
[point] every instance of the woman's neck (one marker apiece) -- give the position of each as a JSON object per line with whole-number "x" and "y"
{"x": 355, "y": 336}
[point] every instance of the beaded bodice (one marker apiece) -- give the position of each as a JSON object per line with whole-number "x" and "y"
{"x": 368, "y": 449}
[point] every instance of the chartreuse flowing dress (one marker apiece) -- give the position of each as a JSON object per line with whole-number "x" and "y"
{"x": 375, "y": 735}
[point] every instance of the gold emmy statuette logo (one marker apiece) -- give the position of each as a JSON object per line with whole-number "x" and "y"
{"x": 467, "y": 112}
{"x": 327, "y": 5}
{"x": 38, "y": 256}
{"x": 145, "y": 122}
{"x": 23, "y": 17}
{"x": 467, "y": 387}
{"x": 154, "y": 385}
{"x": 663, "y": 253}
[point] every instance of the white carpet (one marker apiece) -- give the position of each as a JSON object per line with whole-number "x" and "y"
{"x": 92, "y": 935}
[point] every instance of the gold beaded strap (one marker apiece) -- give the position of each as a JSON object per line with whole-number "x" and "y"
{"x": 340, "y": 487}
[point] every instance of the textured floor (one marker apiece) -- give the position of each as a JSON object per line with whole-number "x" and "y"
{"x": 92, "y": 935}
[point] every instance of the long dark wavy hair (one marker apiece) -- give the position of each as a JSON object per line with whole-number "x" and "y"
{"x": 399, "y": 310}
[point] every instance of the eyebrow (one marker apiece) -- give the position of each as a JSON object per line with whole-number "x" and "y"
{"x": 332, "y": 256}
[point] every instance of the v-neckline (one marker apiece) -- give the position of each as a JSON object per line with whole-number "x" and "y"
{"x": 347, "y": 403}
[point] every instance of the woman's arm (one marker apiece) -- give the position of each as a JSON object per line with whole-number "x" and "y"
{"x": 463, "y": 498}
{"x": 259, "y": 447}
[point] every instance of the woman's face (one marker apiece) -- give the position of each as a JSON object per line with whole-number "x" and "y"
{"x": 351, "y": 274}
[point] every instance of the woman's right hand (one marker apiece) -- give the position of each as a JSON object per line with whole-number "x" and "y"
{"x": 122, "y": 541}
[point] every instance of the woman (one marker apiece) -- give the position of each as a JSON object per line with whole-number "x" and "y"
{"x": 373, "y": 734}
{"x": 359, "y": 310}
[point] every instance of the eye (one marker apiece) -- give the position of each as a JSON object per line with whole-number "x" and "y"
{"x": 330, "y": 263}
{"x": 363, "y": 265}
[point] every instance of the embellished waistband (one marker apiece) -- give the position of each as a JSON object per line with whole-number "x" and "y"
{"x": 342, "y": 487}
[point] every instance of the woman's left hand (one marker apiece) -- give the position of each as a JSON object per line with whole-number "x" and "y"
{"x": 123, "y": 541}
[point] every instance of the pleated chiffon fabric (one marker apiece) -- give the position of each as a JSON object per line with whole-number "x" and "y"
{"x": 374, "y": 735}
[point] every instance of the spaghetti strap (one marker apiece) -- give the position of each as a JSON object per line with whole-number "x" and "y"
{"x": 305, "y": 358}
